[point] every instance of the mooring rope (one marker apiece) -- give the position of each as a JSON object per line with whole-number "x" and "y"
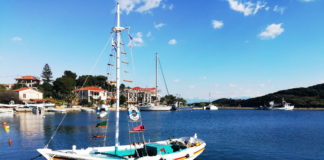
{"x": 57, "y": 128}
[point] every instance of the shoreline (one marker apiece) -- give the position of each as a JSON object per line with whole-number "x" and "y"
{"x": 254, "y": 108}
{"x": 69, "y": 110}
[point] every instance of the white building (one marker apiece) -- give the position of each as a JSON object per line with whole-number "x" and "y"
{"x": 29, "y": 81}
{"x": 28, "y": 94}
{"x": 138, "y": 95}
{"x": 92, "y": 93}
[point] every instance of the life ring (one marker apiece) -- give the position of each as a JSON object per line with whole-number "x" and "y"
{"x": 102, "y": 111}
{"x": 134, "y": 113}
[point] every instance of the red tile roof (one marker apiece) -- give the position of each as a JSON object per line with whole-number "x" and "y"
{"x": 20, "y": 89}
{"x": 144, "y": 89}
{"x": 28, "y": 78}
{"x": 91, "y": 88}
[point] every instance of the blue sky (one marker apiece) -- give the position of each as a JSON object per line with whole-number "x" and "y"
{"x": 228, "y": 48}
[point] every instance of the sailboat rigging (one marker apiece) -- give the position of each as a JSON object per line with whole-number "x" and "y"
{"x": 172, "y": 149}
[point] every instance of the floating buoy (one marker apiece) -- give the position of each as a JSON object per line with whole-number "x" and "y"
{"x": 9, "y": 141}
{"x": 7, "y": 127}
{"x": 4, "y": 123}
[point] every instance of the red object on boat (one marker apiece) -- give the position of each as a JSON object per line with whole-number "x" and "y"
{"x": 9, "y": 141}
{"x": 139, "y": 128}
{"x": 163, "y": 150}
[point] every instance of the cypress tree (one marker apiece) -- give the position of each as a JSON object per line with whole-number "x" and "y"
{"x": 47, "y": 74}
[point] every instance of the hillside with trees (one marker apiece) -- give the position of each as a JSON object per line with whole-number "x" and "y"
{"x": 310, "y": 97}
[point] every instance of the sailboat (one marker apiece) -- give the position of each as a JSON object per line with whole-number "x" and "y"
{"x": 211, "y": 106}
{"x": 177, "y": 148}
{"x": 286, "y": 106}
{"x": 156, "y": 106}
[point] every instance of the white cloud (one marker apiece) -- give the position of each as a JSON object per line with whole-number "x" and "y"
{"x": 169, "y": 7}
{"x": 272, "y": 31}
{"x": 176, "y": 80}
{"x": 231, "y": 85}
{"x": 262, "y": 85}
{"x": 137, "y": 40}
{"x": 217, "y": 24}
{"x": 247, "y": 8}
{"x": 158, "y": 26}
{"x": 278, "y": 9}
{"x": 192, "y": 86}
{"x": 16, "y": 39}
{"x": 138, "y": 5}
{"x": 149, "y": 34}
{"x": 172, "y": 42}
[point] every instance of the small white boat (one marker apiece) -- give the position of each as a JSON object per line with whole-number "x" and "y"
{"x": 56, "y": 110}
{"x": 38, "y": 109}
{"x": 87, "y": 109}
{"x": 6, "y": 111}
{"x": 211, "y": 107}
{"x": 285, "y": 106}
{"x": 152, "y": 107}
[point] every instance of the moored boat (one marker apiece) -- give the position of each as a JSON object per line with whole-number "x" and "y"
{"x": 152, "y": 107}
{"x": 83, "y": 109}
{"x": 211, "y": 107}
{"x": 6, "y": 111}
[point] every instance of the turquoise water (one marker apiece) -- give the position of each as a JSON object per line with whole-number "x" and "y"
{"x": 229, "y": 134}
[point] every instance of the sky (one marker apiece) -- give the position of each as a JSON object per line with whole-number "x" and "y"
{"x": 208, "y": 49}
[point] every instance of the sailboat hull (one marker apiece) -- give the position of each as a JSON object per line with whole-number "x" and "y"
{"x": 107, "y": 153}
{"x": 155, "y": 108}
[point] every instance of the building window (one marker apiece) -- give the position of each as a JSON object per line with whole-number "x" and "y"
{"x": 24, "y": 95}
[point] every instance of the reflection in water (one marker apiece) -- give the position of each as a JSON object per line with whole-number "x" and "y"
{"x": 31, "y": 127}
{"x": 230, "y": 134}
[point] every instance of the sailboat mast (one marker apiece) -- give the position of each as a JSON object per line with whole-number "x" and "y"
{"x": 156, "y": 75}
{"x": 118, "y": 29}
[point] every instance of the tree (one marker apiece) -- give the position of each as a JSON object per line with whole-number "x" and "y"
{"x": 70, "y": 74}
{"x": 64, "y": 86}
{"x": 89, "y": 80}
{"x": 122, "y": 99}
{"x": 47, "y": 74}
{"x": 17, "y": 86}
{"x": 6, "y": 97}
{"x": 122, "y": 87}
{"x": 2, "y": 88}
{"x": 181, "y": 101}
{"x": 47, "y": 89}
{"x": 169, "y": 99}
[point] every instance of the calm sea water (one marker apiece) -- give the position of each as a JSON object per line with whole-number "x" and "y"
{"x": 229, "y": 134}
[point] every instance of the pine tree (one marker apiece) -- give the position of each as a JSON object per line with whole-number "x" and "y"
{"x": 47, "y": 74}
